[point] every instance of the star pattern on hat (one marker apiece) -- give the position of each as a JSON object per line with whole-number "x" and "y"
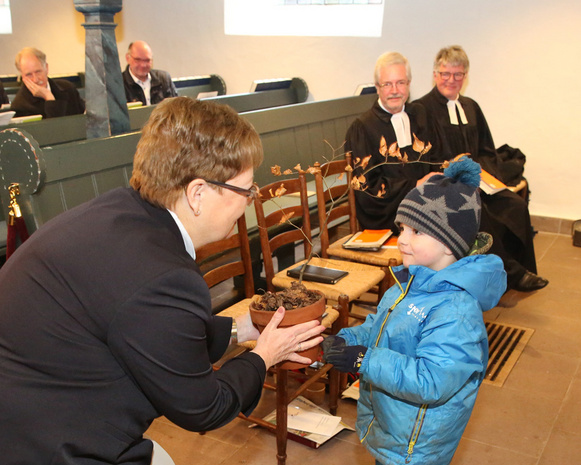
{"x": 438, "y": 206}
{"x": 471, "y": 204}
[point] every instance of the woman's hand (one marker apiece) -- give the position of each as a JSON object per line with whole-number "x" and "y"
{"x": 246, "y": 330}
{"x": 278, "y": 344}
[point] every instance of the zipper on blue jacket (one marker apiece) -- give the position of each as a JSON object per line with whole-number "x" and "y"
{"x": 404, "y": 292}
{"x": 416, "y": 431}
{"x": 397, "y": 301}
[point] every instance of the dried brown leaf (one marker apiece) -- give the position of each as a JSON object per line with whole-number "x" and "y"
{"x": 279, "y": 192}
{"x": 287, "y": 171}
{"x": 349, "y": 168}
{"x": 418, "y": 145}
{"x": 382, "y": 146}
{"x": 395, "y": 153}
{"x": 275, "y": 170}
{"x": 365, "y": 161}
{"x": 285, "y": 218}
{"x": 382, "y": 192}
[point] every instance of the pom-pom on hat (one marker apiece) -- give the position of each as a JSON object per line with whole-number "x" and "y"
{"x": 447, "y": 207}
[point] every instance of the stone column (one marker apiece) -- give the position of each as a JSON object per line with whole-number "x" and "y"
{"x": 105, "y": 97}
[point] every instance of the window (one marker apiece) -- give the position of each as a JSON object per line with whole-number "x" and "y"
{"x": 354, "y": 18}
{"x": 5, "y": 19}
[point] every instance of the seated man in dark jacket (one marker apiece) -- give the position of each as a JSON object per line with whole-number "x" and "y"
{"x": 143, "y": 84}
{"x": 3, "y": 96}
{"x": 40, "y": 95}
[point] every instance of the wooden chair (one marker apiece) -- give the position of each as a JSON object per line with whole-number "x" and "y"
{"x": 336, "y": 200}
{"x": 237, "y": 248}
{"x": 361, "y": 277}
{"x": 522, "y": 189}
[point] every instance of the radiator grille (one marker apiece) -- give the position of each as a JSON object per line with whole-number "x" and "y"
{"x": 506, "y": 343}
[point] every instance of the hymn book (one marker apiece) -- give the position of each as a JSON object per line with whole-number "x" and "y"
{"x": 368, "y": 239}
{"x": 490, "y": 184}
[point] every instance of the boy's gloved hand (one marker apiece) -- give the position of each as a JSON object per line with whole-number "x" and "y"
{"x": 331, "y": 341}
{"x": 346, "y": 358}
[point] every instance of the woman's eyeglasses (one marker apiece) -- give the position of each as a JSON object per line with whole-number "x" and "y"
{"x": 250, "y": 194}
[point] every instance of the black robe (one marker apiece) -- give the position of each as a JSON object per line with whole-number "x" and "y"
{"x": 505, "y": 214}
{"x": 363, "y": 138}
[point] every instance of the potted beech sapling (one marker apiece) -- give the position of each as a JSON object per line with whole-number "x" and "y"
{"x": 301, "y": 303}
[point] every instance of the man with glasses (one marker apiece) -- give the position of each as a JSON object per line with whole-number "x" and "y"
{"x": 142, "y": 83}
{"x": 391, "y": 133}
{"x": 505, "y": 214}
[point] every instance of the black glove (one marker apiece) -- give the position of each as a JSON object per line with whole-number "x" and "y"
{"x": 331, "y": 341}
{"x": 346, "y": 358}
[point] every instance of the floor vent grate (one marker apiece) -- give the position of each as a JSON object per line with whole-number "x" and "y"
{"x": 505, "y": 344}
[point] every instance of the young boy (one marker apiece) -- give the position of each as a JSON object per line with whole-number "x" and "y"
{"x": 422, "y": 357}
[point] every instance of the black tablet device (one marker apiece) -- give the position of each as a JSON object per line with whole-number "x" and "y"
{"x": 318, "y": 274}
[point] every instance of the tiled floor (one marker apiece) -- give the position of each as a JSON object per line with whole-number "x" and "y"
{"x": 534, "y": 419}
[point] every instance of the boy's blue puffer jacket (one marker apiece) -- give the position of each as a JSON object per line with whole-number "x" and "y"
{"x": 425, "y": 360}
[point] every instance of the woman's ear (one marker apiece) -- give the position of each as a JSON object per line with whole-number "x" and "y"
{"x": 195, "y": 192}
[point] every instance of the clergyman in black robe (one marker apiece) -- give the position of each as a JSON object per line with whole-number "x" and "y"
{"x": 389, "y": 177}
{"x": 387, "y": 184}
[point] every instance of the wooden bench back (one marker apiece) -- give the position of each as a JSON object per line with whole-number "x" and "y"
{"x": 56, "y": 178}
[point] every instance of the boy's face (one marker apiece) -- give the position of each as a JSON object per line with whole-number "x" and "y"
{"x": 418, "y": 248}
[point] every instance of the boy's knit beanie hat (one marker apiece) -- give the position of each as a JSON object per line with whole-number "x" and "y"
{"x": 446, "y": 207}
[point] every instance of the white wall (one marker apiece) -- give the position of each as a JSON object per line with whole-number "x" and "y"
{"x": 525, "y": 64}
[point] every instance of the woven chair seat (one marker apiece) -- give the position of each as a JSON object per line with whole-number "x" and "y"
{"x": 361, "y": 278}
{"x": 240, "y": 308}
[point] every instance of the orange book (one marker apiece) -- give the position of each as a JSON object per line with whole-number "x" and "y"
{"x": 391, "y": 243}
{"x": 368, "y": 239}
{"x": 490, "y": 184}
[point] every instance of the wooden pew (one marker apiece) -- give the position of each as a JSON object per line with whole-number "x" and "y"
{"x": 304, "y": 133}
{"x": 192, "y": 86}
{"x": 55, "y": 131}
{"x": 12, "y": 83}
{"x": 56, "y": 178}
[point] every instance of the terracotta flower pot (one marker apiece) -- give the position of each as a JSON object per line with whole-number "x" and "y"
{"x": 315, "y": 311}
